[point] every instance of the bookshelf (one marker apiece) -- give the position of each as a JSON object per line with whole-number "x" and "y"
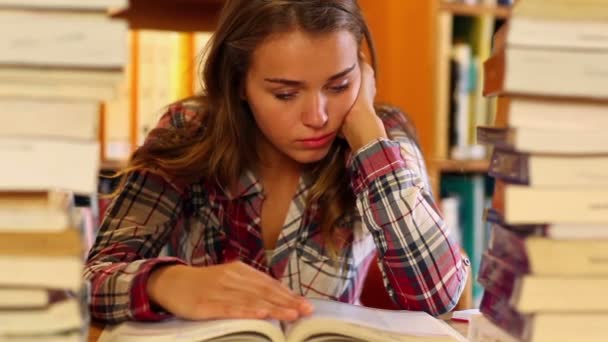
{"x": 463, "y": 41}
{"x": 171, "y": 15}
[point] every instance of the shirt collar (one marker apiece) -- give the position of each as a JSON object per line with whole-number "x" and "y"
{"x": 247, "y": 184}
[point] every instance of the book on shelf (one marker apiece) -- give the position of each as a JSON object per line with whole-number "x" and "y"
{"x": 49, "y": 118}
{"x": 591, "y": 10}
{"x": 39, "y": 270}
{"x": 62, "y": 39}
{"x": 330, "y": 321}
{"x": 508, "y": 70}
{"x": 519, "y": 204}
{"x": 88, "y": 5}
{"x": 36, "y": 212}
{"x": 58, "y": 317}
{"x": 559, "y": 231}
{"x": 549, "y": 170}
{"x": 545, "y": 327}
{"x": 532, "y": 251}
{"x": 29, "y": 298}
{"x": 543, "y": 140}
{"x": 64, "y": 314}
{"x": 39, "y": 163}
{"x": 550, "y": 113}
{"x": 63, "y": 91}
{"x": 549, "y": 34}
{"x": 68, "y": 242}
{"x": 530, "y": 293}
{"x": 54, "y": 75}
{"x": 540, "y": 326}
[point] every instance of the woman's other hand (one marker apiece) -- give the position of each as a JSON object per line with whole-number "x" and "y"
{"x": 233, "y": 290}
{"x": 361, "y": 125}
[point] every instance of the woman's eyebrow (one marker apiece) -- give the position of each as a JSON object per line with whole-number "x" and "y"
{"x": 295, "y": 83}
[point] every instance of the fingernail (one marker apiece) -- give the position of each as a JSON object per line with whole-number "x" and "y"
{"x": 306, "y": 307}
{"x": 262, "y": 312}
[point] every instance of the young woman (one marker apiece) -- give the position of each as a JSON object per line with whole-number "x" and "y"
{"x": 280, "y": 183}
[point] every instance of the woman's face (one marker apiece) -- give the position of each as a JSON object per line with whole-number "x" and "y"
{"x": 299, "y": 88}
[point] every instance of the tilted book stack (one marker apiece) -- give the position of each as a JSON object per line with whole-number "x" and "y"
{"x": 546, "y": 269}
{"x": 58, "y": 60}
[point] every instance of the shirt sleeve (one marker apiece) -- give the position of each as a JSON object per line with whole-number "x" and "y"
{"x": 421, "y": 264}
{"x": 136, "y": 226}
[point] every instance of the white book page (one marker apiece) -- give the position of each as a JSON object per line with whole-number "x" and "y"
{"x": 182, "y": 330}
{"x": 407, "y": 323}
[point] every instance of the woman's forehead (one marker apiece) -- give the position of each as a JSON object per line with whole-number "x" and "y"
{"x": 301, "y": 54}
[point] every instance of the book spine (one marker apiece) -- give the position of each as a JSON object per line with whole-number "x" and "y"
{"x": 500, "y": 37}
{"x": 496, "y": 276}
{"x": 503, "y": 109}
{"x": 499, "y": 137}
{"x": 498, "y": 311}
{"x": 510, "y": 247}
{"x": 494, "y": 73}
{"x": 62, "y": 40}
{"x": 511, "y": 167}
{"x": 65, "y": 243}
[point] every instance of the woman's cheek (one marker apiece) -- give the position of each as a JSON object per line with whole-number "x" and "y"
{"x": 344, "y": 104}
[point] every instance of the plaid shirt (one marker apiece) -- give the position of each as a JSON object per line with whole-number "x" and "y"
{"x": 204, "y": 224}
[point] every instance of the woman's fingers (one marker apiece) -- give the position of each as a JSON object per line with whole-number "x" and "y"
{"x": 239, "y": 298}
{"x": 221, "y": 309}
{"x": 263, "y": 286}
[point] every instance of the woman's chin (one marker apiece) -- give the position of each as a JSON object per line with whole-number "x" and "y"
{"x": 309, "y": 156}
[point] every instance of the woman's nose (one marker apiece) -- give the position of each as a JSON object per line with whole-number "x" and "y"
{"x": 315, "y": 113}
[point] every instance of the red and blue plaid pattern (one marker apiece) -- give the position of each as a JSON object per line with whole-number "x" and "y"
{"x": 204, "y": 224}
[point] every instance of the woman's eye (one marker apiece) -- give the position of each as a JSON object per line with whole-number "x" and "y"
{"x": 340, "y": 88}
{"x": 285, "y": 96}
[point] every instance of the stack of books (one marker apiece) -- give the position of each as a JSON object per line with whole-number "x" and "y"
{"x": 546, "y": 268}
{"x": 58, "y": 60}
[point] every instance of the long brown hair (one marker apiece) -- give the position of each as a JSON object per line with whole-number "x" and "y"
{"x": 220, "y": 144}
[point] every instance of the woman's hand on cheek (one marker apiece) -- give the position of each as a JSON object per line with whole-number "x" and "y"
{"x": 361, "y": 124}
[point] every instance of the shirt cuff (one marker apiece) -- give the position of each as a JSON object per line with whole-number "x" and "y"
{"x": 142, "y": 308}
{"x": 374, "y": 160}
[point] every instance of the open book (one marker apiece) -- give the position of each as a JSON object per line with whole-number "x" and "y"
{"x": 331, "y": 321}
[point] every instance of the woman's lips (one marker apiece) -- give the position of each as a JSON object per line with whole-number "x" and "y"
{"x": 317, "y": 142}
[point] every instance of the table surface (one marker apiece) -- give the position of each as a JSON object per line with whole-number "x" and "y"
{"x": 96, "y": 329}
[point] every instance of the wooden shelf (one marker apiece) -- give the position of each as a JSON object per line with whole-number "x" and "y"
{"x": 113, "y": 165}
{"x": 172, "y": 15}
{"x": 463, "y": 166}
{"x": 475, "y": 10}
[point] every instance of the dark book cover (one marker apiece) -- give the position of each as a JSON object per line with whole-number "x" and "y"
{"x": 497, "y": 309}
{"x": 510, "y": 247}
{"x": 511, "y": 167}
{"x": 497, "y": 276}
